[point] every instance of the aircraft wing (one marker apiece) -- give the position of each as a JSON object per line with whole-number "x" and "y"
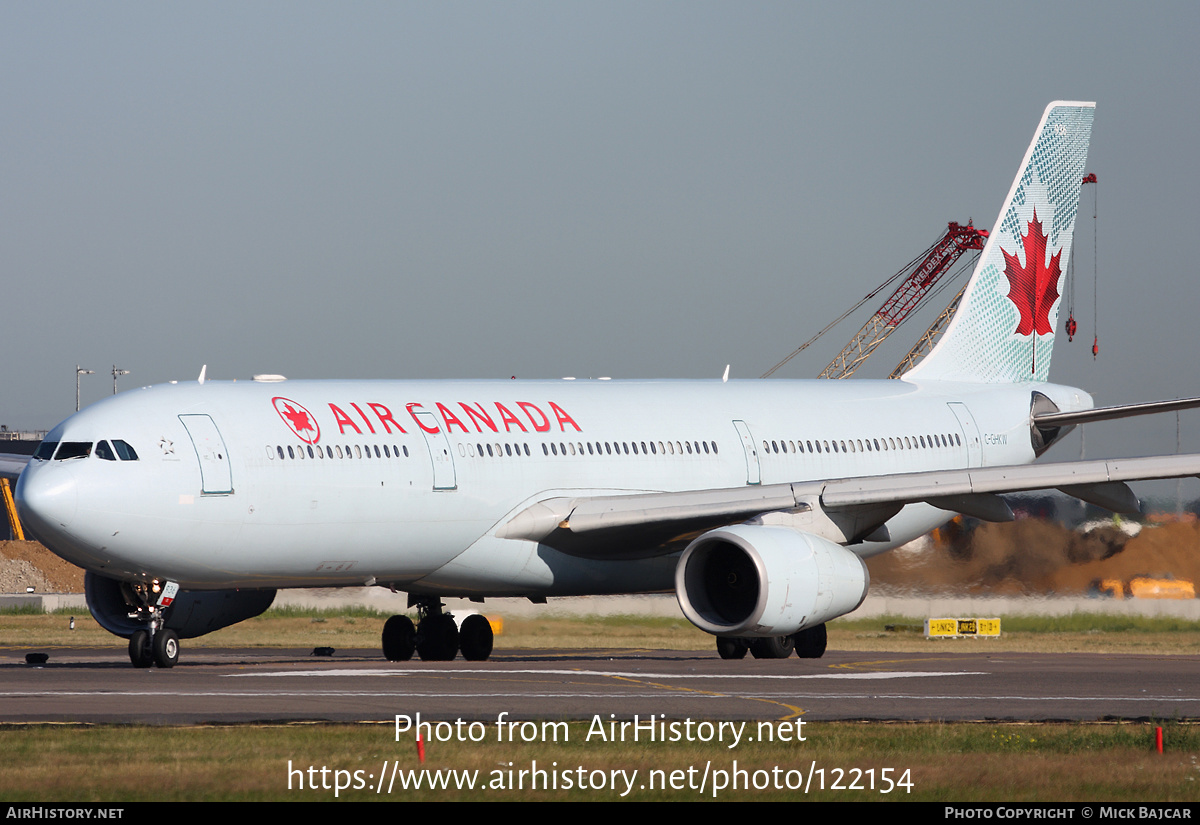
{"x": 640, "y": 523}
{"x": 12, "y": 464}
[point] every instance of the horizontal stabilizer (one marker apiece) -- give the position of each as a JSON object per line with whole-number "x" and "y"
{"x": 1063, "y": 419}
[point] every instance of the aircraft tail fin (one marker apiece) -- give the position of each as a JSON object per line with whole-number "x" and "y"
{"x": 1003, "y": 331}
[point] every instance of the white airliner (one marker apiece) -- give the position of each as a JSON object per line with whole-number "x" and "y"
{"x": 756, "y": 501}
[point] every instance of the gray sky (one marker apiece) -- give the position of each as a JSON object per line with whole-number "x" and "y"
{"x": 460, "y": 190}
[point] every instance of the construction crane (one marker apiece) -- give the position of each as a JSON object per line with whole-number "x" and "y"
{"x": 919, "y": 279}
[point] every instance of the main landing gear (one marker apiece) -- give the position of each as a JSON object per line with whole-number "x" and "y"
{"x": 436, "y": 637}
{"x": 152, "y": 645}
{"x": 808, "y": 644}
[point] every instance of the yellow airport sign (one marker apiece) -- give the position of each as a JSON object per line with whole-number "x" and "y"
{"x": 958, "y": 628}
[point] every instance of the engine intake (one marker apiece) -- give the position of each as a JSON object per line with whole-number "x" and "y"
{"x": 763, "y": 580}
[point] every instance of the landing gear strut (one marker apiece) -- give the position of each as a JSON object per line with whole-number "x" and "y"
{"x": 153, "y": 644}
{"x": 436, "y": 638}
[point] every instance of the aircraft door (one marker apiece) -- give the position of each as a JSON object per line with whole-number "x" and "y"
{"x": 970, "y": 433}
{"x": 444, "y": 477}
{"x": 753, "y": 472}
{"x": 216, "y": 478}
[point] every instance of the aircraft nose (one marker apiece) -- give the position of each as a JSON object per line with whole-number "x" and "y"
{"x": 47, "y": 499}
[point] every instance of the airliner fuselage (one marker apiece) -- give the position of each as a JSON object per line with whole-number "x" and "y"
{"x": 321, "y": 483}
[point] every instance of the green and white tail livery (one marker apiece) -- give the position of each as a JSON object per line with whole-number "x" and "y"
{"x": 1004, "y": 328}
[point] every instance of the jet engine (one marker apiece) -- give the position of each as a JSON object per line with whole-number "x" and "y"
{"x": 764, "y": 580}
{"x": 192, "y": 614}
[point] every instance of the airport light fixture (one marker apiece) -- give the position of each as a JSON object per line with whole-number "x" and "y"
{"x": 78, "y": 372}
{"x": 116, "y": 373}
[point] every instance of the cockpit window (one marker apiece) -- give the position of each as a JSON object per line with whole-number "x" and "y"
{"x": 45, "y": 450}
{"x": 73, "y": 449}
{"x": 104, "y": 451}
{"x": 123, "y": 449}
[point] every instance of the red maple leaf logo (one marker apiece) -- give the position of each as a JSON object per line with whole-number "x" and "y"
{"x": 1033, "y": 287}
{"x": 298, "y": 419}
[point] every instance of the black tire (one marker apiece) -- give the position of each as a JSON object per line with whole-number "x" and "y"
{"x": 772, "y": 647}
{"x": 475, "y": 638}
{"x": 732, "y": 647}
{"x": 810, "y": 644}
{"x": 166, "y": 648}
{"x": 140, "y": 654}
{"x": 437, "y": 638}
{"x": 399, "y": 639}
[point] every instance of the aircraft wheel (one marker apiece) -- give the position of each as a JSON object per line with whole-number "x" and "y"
{"x": 139, "y": 649}
{"x": 772, "y": 647}
{"x": 437, "y": 638}
{"x": 810, "y": 644}
{"x": 475, "y": 638}
{"x": 399, "y": 639}
{"x": 731, "y": 647}
{"x": 166, "y": 648}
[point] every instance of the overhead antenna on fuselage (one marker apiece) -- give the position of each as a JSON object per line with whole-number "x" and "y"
{"x": 725, "y": 377}
{"x": 203, "y": 370}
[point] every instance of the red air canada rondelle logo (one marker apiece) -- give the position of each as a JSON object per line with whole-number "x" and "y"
{"x": 1033, "y": 287}
{"x": 299, "y": 420}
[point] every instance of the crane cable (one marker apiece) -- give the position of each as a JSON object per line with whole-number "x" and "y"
{"x": 852, "y": 309}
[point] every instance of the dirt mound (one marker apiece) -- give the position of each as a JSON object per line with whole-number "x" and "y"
{"x": 1033, "y": 557}
{"x": 28, "y": 564}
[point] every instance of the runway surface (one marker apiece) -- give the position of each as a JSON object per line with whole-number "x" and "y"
{"x": 230, "y": 686}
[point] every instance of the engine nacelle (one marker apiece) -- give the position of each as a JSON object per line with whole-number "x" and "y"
{"x": 192, "y": 614}
{"x": 761, "y": 580}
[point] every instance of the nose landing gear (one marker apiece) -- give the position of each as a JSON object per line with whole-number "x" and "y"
{"x": 153, "y": 644}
